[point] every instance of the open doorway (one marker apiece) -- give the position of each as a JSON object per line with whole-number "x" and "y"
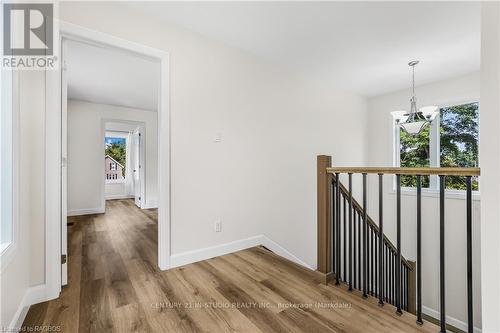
{"x": 110, "y": 143}
{"x": 124, "y": 162}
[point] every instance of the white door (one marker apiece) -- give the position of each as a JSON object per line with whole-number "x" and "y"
{"x": 64, "y": 169}
{"x": 136, "y": 155}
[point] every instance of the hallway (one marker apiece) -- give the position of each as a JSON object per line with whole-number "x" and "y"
{"x": 115, "y": 286}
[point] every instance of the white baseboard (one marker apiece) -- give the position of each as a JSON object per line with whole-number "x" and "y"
{"x": 449, "y": 320}
{"x": 118, "y": 196}
{"x": 86, "y": 211}
{"x": 190, "y": 257}
{"x": 150, "y": 204}
{"x": 281, "y": 251}
{"x": 33, "y": 295}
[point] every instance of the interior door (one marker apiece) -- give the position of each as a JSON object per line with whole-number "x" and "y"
{"x": 64, "y": 168}
{"x": 136, "y": 156}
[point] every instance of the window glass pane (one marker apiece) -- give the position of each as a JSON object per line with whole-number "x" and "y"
{"x": 116, "y": 157}
{"x": 459, "y": 134}
{"x": 414, "y": 152}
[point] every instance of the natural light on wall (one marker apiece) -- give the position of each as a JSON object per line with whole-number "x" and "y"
{"x": 6, "y": 151}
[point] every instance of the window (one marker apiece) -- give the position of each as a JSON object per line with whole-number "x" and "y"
{"x": 451, "y": 141}
{"x": 115, "y": 157}
{"x": 459, "y": 138}
{"x": 415, "y": 151}
{"x": 6, "y": 160}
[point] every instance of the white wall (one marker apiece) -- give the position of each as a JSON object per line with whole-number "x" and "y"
{"x": 380, "y": 150}
{"x": 22, "y": 267}
{"x": 86, "y": 155}
{"x": 261, "y": 178}
{"x": 489, "y": 149}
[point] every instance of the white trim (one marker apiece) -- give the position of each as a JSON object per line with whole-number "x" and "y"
{"x": 119, "y": 196}
{"x": 33, "y": 295}
{"x": 449, "y": 320}
{"x": 150, "y": 204}
{"x": 115, "y": 181}
{"x": 86, "y": 211}
{"x": 281, "y": 251}
{"x": 53, "y": 178}
{"x": 190, "y": 257}
{"x": 53, "y": 217}
{"x": 434, "y": 193}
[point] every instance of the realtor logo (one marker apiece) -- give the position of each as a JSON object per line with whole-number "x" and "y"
{"x": 28, "y": 36}
{"x": 36, "y": 22}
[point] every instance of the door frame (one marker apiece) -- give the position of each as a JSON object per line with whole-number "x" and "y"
{"x": 53, "y": 141}
{"x": 142, "y": 175}
{"x": 142, "y": 167}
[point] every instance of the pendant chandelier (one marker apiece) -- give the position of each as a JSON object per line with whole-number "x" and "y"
{"x": 415, "y": 121}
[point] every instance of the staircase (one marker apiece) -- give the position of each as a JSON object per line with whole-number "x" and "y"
{"x": 354, "y": 252}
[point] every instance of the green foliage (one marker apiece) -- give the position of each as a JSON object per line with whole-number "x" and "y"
{"x": 459, "y": 134}
{"x": 415, "y": 152}
{"x": 117, "y": 150}
{"x": 459, "y": 141}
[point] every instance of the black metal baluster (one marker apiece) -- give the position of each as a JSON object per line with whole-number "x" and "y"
{"x": 372, "y": 256}
{"x": 375, "y": 265}
{"x": 355, "y": 243}
{"x": 365, "y": 223}
{"x": 350, "y": 231}
{"x": 381, "y": 238}
{"x": 393, "y": 261}
{"x": 404, "y": 287}
{"x": 441, "y": 253}
{"x": 391, "y": 273}
{"x": 386, "y": 254}
{"x": 470, "y": 318}
{"x": 407, "y": 283}
{"x": 419, "y": 250}
{"x": 394, "y": 257}
{"x": 337, "y": 223}
{"x": 344, "y": 241}
{"x": 398, "y": 227}
{"x": 371, "y": 261}
{"x": 333, "y": 225}
{"x": 359, "y": 250}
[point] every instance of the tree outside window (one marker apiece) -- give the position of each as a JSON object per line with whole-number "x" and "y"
{"x": 117, "y": 148}
{"x": 459, "y": 135}
{"x": 414, "y": 152}
{"x": 457, "y": 140}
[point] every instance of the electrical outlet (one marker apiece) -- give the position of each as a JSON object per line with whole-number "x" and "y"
{"x": 218, "y": 226}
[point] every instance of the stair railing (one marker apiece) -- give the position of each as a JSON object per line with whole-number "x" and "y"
{"x": 349, "y": 246}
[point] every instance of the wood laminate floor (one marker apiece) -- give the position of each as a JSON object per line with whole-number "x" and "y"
{"x": 115, "y": 286}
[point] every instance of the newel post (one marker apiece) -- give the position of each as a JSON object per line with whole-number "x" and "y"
{"x": 412, "y": 287}
{"x": 324, "y": 215}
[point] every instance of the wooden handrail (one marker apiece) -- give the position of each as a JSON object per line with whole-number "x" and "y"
{"x": 408, "y": 171}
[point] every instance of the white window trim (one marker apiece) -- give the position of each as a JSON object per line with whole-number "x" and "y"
{"x": 434, "y": 145}
{"x": 115, "y": 181}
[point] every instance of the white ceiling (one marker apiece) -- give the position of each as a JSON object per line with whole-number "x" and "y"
{"x": 111, "y": 76}
{"x": 359, "y": 46}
